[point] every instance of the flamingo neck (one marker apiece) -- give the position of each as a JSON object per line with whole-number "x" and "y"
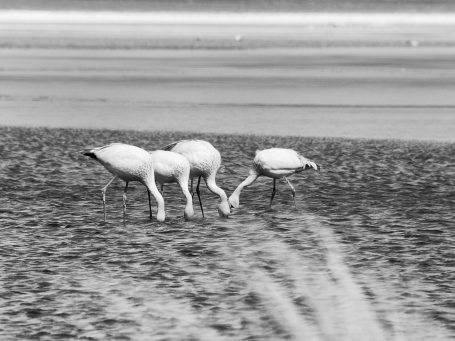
{"x": 234, "y": 199}
{"x": 160, "y": 215}
{"x": 151, "y": 186}
{"x": 211, "y": 184}
{"x": 223, "y": 208}
{"x": 189, "y": 211}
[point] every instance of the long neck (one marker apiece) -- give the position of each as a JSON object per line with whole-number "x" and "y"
{"x": 223, "y": 208}
{"x": 248, "y": 181}
{"x": 189, "y": 212}
{"x": 234, "y": 199}
{"x": 213, "y": 187}
{"x": 151, "y": 186}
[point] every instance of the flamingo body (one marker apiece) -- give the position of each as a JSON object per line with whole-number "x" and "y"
{"x": 279, "y": 162}
{"x": 275, "y": 163}
{"x": 172, "y": 167}
{"x": 204, "y": 161}
{"x": 129, "y": 163}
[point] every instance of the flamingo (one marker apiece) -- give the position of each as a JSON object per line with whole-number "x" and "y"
{"x": 275, "y": 163}
{"x": 172, "y": 167}
{"x": 204, "y": 161}
{"x": 129, "y": 163}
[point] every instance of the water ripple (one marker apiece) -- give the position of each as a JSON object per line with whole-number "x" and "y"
{"x": 368, "y": 253}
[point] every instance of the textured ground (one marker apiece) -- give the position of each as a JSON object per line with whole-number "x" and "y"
{"x": 351, "y": 92}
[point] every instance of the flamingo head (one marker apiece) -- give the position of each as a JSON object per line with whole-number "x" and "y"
{"x": 160, "y": 216}
{"x": 223, "y": 209}
{"x": 189, "y": 212}
{"x": 234, "y": 201}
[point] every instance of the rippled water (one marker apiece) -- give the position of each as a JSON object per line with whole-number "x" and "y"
{"x": 369, "y": 254}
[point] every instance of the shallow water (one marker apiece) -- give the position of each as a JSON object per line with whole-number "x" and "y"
{"x": 368, "y": 254}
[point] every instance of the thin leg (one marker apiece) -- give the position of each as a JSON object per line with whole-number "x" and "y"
{"x": 124, "y": 199}
{"x": 150, "y": 204}
{"x": 292, "y": 190}
{"x": 162, "y": 188}
{"x": 103, "y": 191}
{"x": 199, "y": 196}
{"x": 191, "y": 188}
{"x": 273, "y": 192}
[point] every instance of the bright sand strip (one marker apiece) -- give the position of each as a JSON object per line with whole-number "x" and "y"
{"x": 220, "y": 18}
{"x": 177, "y": 30}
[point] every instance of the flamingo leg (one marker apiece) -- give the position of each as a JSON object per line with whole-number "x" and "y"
{"x": 124, "y": 199}
{"x": 292, "y": 190}
{"x": 103, "y": 191}
{"x": 162, "y": 188}
{"x": 199, "y": 196}
{"x": 191, "y": 188}
{"x": 273, "y": 192}
{"x": 150, "y": 204}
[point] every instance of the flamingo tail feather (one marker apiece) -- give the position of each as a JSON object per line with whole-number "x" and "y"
{"x": 89, "y": 153}
{"x": 170, "y": 146}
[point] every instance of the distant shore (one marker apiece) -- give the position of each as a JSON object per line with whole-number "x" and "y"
{"x": 389, "y": 93}
{"x": 356, "y": 75}
{"x": 221, "y": 30}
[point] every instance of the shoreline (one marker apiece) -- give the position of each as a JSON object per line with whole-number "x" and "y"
{"x": 199, "y": 134}
{"x": 386, "y": 126}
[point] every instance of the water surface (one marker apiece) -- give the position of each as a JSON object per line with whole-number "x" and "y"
{"x": 368, "y": 254}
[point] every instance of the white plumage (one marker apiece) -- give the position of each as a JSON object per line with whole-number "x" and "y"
{"x": 274, "y": 163}
{"x": 129, "y": 163}
{"x": 204, "y": 161}
{"x": 172, "y": 167}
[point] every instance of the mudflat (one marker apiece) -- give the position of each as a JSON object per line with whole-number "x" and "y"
{"x": 387, "y": 76}
{"x": 348, "y": 92}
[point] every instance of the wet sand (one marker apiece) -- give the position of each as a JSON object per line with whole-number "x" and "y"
{"x": 369, "y": 92}
{"x": 103, "y": 76}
